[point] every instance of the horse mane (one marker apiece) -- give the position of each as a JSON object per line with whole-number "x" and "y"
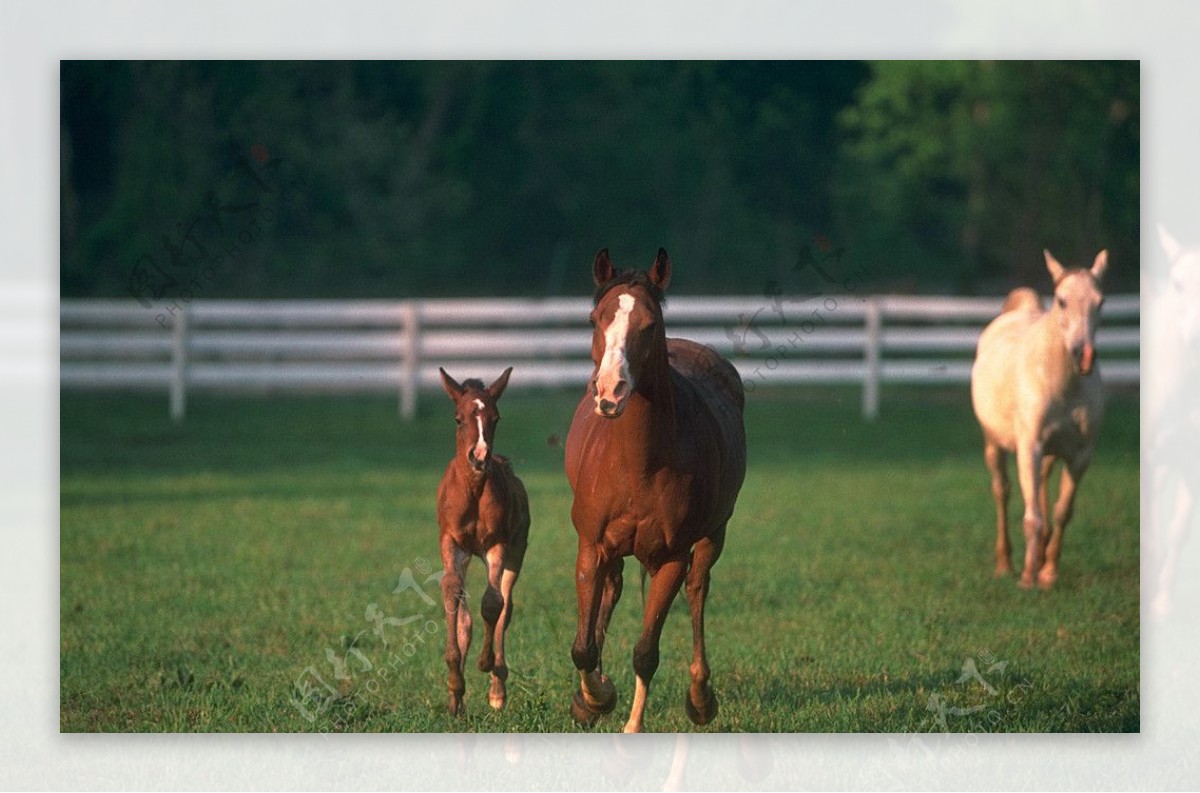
{"x": 474, "y": 382}
{"x": 632, "y": 278}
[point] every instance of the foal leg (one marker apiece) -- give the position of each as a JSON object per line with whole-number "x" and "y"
{"x": 596, "y": 695}
{"x": 458, "y": 620}
{"x": 490, "y": 605}
{"x": 497, "y": 610}
{"x": 701, "y": 703}
{"x": 664, "y": 585}
{"x": 1029, "y": 465}
{"x": 997, "y": 463}
{"x": 1073, "y": 472}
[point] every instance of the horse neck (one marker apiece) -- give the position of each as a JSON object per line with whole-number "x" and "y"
{"x": 473, "y": 482}
{"x": 650, "y": 418}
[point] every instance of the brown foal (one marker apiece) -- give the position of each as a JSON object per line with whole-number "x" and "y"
{"x": 656, "y": 456}
{"x": 483, "y": 511}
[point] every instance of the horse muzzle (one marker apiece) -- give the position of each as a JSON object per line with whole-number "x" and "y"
{"x": 610, "y": 405}
{"x": 1085, "y": 359}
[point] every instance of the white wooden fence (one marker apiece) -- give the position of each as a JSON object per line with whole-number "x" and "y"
{"x": 398, "y": 345}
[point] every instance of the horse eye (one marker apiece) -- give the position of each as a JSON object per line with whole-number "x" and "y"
{"x": 458, "y": 420}
{"x": 1061, "y": 303}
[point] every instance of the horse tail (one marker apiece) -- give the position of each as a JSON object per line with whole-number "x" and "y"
{"x": 1022, "y": 299}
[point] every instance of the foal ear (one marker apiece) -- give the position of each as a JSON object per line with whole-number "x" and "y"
{"x": 453, "y": 389}
{"x": 1100, "y": 265}
{"x": 660, "y": 271}
{"x": 1170, "y": 245}
{"x": 497, "y": 388}
{"x": 1052, "y": 264}
{"x": 603, "y": 270}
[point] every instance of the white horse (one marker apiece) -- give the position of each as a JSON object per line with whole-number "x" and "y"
{"x": 1171, "y": 418}
{"x": 1037, "y": 393}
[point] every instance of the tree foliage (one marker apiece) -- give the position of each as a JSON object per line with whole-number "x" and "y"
{"x": 479, "y": 178}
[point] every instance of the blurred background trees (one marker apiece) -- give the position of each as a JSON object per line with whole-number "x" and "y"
{"x": 504, "y": 178}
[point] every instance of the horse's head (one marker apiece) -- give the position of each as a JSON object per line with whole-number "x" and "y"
{"x": 476, "y": 415}
{"x": 1077, "y": 301}
{"x": 1185, "y": 284}
{"x": 627, "y": 336}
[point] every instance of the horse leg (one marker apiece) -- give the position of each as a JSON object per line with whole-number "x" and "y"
{"x": 497, "y": 611}
{"x": 458, "y": 620}
{"x": 701, "y": 703}
{"x": 1178, "y": 521}
{"x": 997, "y": 463}
{"x": 596, "y": 695}
{"x": 491, "y": 608}
{"x": 1029, "y": 465}
{"x": 1072, "y": 473}
{"x": 613, "y": 582}
{"x": 664, "y": 585}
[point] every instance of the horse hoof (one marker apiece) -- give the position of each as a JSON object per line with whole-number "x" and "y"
{"x": 703, "y": 714}
{"x": 1025, "y": 582}
{"x": 1002, "y": 572}
{"x": 497, "y": 702}
{"x": 1046, "y": 581}
{"x": 586, "y": 715}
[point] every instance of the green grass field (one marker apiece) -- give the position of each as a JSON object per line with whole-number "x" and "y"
{"x": 210, "y": 571}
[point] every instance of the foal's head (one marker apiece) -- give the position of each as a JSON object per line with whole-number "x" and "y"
{"x": 1077, "y": 301}
{"x": 476, "y": 415}
{"x": 627, "y": 337}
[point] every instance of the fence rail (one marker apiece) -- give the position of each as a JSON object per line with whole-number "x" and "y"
{"x": 397, "y": 346}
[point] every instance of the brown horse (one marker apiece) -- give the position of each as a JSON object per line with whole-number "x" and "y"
{"x": 655, "y": 456}
{"x": 483, "y": 511}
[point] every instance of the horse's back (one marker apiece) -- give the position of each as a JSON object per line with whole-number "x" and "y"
{"x": 716, "y": 386}
{"x": 708, "y": 371}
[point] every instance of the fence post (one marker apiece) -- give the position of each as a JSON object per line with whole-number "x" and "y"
{"x": 178, "y": 385}
{"x": 871, "y": 373}
{"x": 410, "y": 367}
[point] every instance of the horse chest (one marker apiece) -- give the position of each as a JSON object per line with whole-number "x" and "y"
{"x": 475, "y": 524}
{"x": 1067, "y": 428}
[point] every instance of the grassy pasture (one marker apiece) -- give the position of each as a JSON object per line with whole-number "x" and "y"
{"x": 211, "y": 571}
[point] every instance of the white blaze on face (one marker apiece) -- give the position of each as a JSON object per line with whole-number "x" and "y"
{"x": 481, "y": 448}
{"x": 613, "y": 366}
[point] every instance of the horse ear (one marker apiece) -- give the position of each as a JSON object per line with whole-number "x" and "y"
{"x": 1170, "y": 245}
{"x": 1052, "y": 264}
{"x": 453, "y": 389}
{"x": 497, "y": 388}
{"x": 602, "y": 269}
{"x": 1100, "y": 265}
{"x": 660, "y": 271}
